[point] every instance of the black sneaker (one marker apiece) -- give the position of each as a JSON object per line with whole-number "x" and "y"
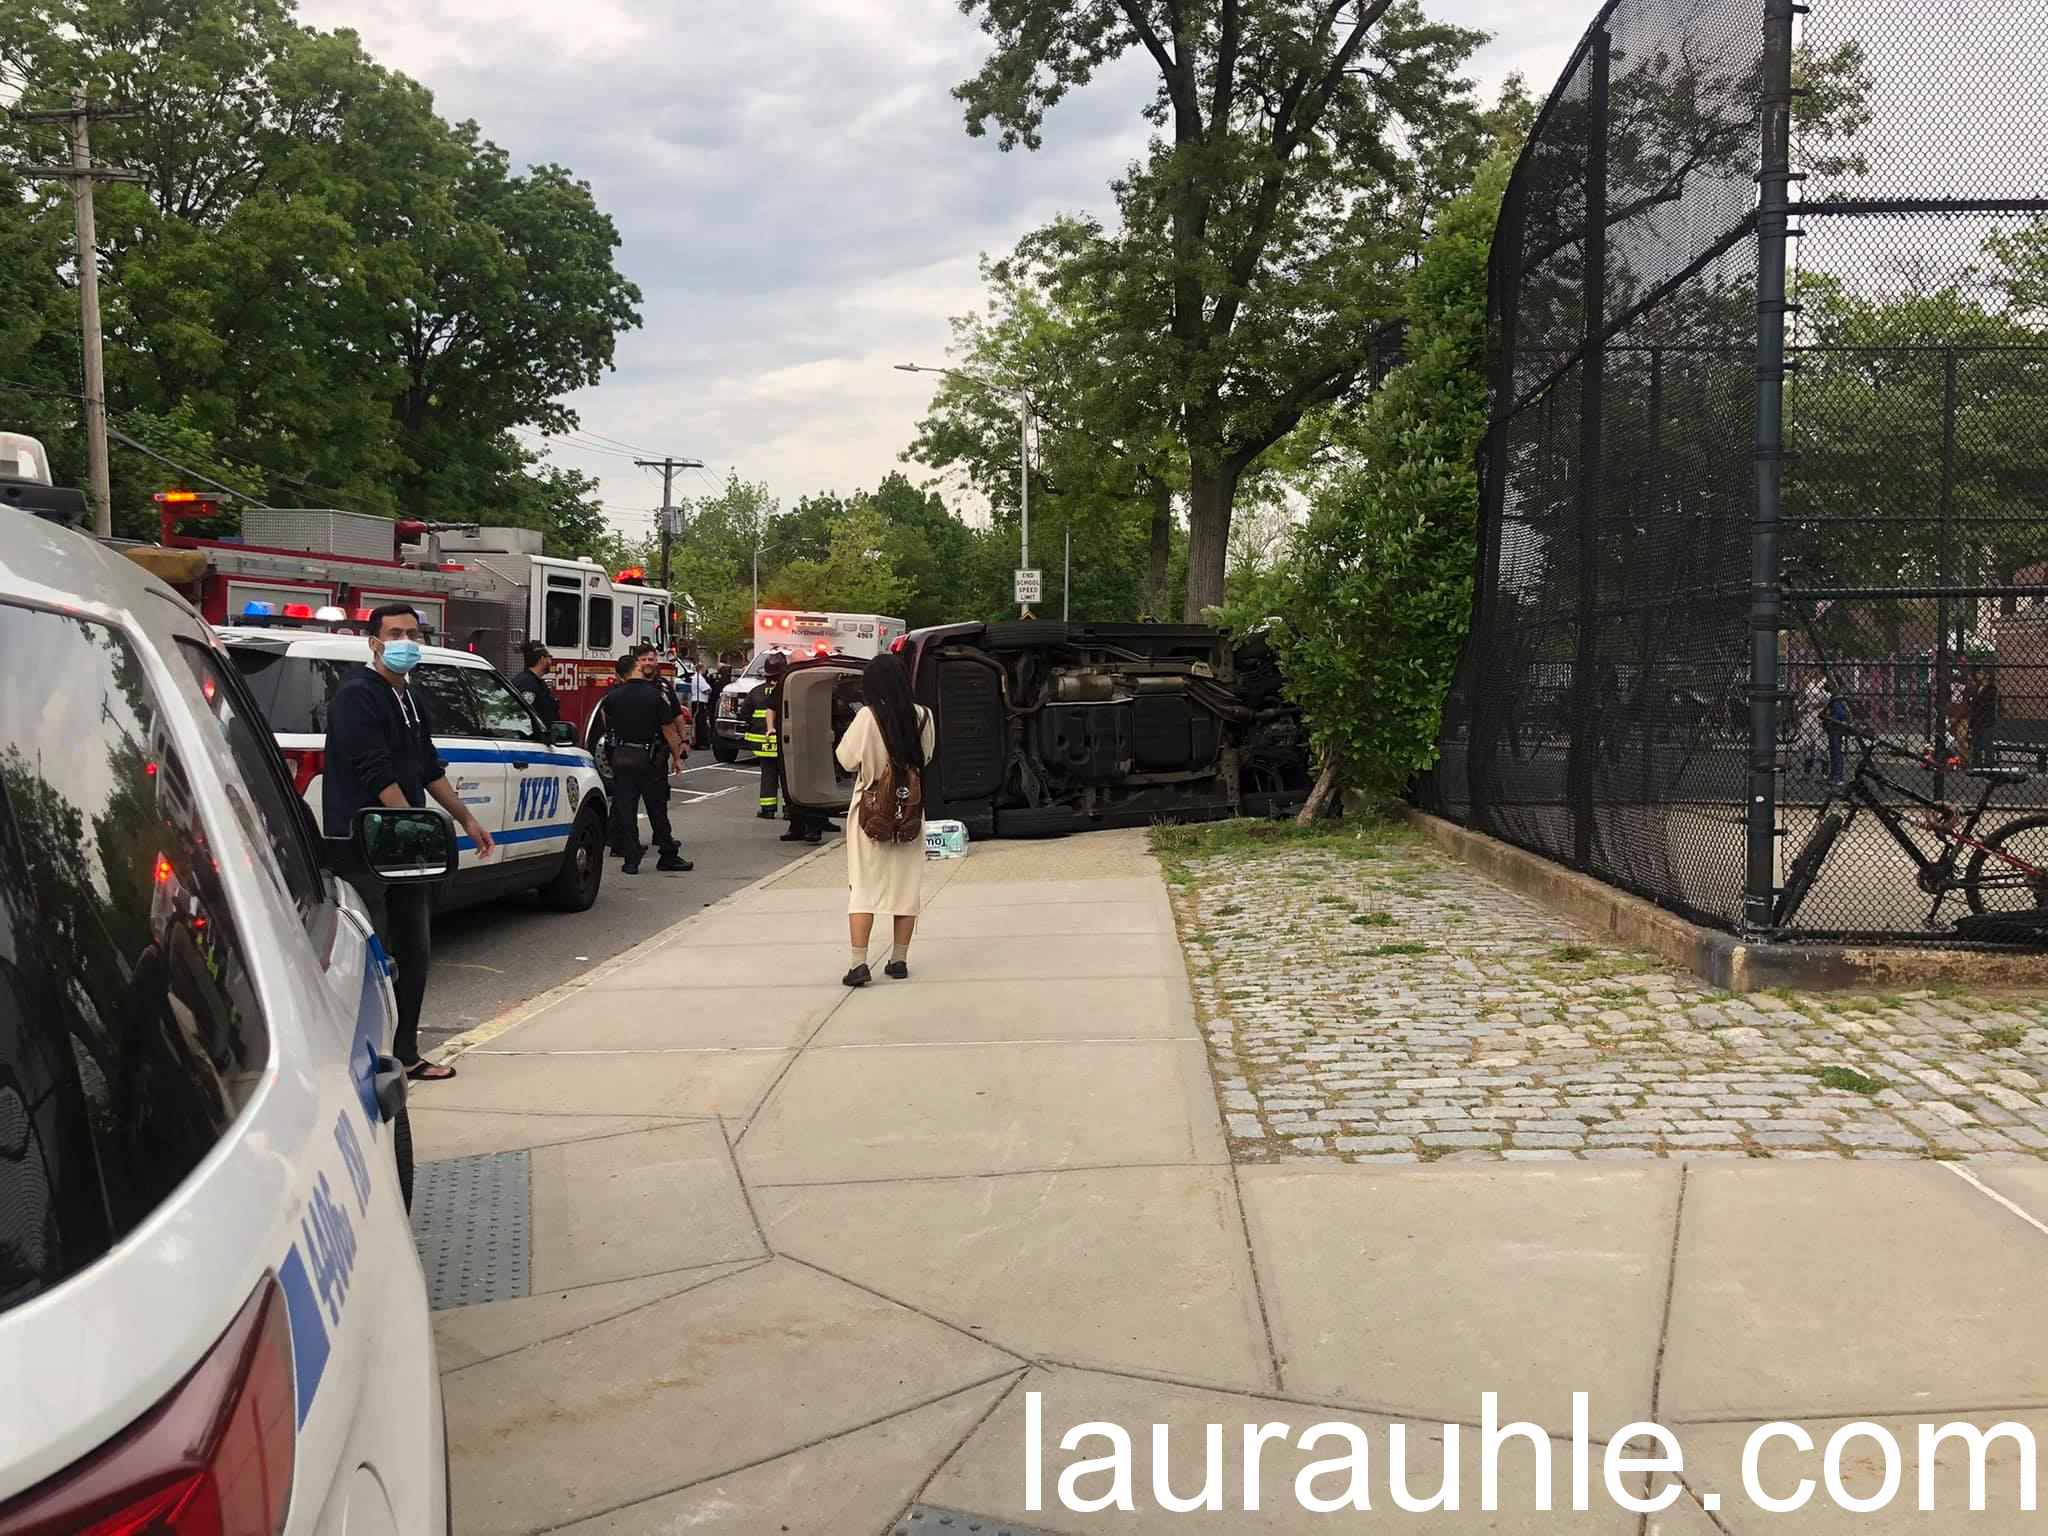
{"x": 859, "y": 976}
{"x": 674, "y": 864}
{"x": 766, "y": 815}
{"x": 897, "y": 970}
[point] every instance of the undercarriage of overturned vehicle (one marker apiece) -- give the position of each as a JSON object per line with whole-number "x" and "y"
{"x": 1111, "y": 730}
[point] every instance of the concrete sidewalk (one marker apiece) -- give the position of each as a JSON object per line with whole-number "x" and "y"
{"x": 796, "y": 1256}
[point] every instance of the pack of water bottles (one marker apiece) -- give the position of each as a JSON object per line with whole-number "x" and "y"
{"x": 945, "y": 840}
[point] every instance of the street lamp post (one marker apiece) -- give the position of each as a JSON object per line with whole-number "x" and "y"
{"x": 1023, "y": 456}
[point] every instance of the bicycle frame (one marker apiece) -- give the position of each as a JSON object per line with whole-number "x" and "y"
{"x": 1937, "y": 875}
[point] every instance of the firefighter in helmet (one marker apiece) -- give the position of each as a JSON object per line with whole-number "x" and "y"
{"x": 761, "y": 732}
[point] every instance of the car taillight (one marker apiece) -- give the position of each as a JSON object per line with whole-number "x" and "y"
{"x": 306, "y": 764}
{"x": 896, "y": 645}
{"x": 214, "y": 1458}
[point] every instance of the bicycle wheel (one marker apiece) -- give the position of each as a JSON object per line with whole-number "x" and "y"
{"x": 1799, "y": 879}
{"x": 2010, "y": 872}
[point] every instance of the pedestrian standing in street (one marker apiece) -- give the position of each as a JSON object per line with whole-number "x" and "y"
{"x": 642, "y": 717}
{"x": 885, "y": 749}
{"x": 380, "y": 751}
{"x": 700, "y": 705}
{"x": 533, "y": 687}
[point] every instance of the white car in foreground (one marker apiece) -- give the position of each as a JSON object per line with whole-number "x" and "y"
{"x": 536, "y": 793}
{"x": 212, "y": 1316}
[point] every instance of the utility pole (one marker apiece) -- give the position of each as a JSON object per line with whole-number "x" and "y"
{"x": 1024, "y": 488}
{"x": 82, "y": 174}
{"x": 670, "y": 520}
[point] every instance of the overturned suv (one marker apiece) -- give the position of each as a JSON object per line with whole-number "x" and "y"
{"x": 1046, "y": 728}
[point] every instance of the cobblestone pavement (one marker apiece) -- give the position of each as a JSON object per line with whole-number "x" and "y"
{"x": 1373, "y": 1001}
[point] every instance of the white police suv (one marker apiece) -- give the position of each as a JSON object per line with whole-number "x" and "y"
{"x": 212, "y": 1315}
{"x": 536, "y": 793}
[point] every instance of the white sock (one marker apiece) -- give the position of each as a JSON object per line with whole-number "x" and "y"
{"x": 860, "y": 957}
{"x": 900, "y": 953}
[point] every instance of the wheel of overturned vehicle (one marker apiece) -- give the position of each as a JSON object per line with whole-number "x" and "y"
{"x": 574, "y": 888}
{"x": 1028, "y": 634}
{"x": 725, "y": 753}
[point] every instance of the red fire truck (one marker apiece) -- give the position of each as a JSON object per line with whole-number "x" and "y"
{"x": 484, "y": 589}
{"x": 586, "y": 617}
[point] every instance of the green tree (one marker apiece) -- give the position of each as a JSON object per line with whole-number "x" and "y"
{"x": 951, "y": 568}
{"x": 711, "y": 566}
{"x": 319, "y": 279}
{"x": 857, "y": 575}
{"x": 1105, "y": 460}
{"x": 1258, "y": 244}
{"x": 1381, "y": 590}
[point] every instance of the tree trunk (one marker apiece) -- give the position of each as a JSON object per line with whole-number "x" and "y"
{"x": 1326, "y": 787}
{"x": 1210, "y": 494}
{"x": 1156, "y": 596}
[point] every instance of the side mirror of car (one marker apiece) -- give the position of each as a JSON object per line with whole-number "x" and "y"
{"x": 404, "y": 846}
{"x": 562, "y": 734}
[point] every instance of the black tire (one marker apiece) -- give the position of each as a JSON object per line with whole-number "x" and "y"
{"x": 401, "y": 1146}
{"x": 725, "y": 752}
{"x": 1028, "y": 634}
{"x": 575, "y": 885}
{"x": 2025, "y": 839}
{"x": 1804, "y": 868}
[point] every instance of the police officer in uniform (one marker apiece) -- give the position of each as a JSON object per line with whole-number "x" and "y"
{"x": 623, "y": 836}
{"x": 646, "y": 744}
{"x": 761, "y": 734}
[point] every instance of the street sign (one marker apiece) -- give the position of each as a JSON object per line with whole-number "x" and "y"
{"x": 1030, "y": 586}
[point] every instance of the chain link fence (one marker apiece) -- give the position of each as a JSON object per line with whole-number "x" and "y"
{"x": 1761, "y": 624}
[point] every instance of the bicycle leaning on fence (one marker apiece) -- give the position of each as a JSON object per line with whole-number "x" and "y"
{"x": 2004, "y": 880}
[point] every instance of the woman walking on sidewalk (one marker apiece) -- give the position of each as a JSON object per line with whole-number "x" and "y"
{"x": 891, "y": 738}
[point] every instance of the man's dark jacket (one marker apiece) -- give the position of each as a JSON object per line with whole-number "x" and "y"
{"x": 372, "y": 743}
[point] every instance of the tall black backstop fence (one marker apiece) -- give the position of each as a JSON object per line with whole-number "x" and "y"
{"x": 1762, "y": 610}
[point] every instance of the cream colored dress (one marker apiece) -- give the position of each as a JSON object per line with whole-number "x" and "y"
{"x": 883, "y": 878}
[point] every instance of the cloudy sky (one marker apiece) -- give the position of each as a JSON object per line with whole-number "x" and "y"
{"x": 798, "y": 198}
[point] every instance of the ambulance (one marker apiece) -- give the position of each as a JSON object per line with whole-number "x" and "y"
{"x": 801, "y": 636}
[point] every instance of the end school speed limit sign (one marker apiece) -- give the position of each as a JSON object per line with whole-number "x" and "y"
{"x": 1030, "y": 586}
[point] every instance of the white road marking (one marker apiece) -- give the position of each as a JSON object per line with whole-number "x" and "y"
{"x": 1986, "y": 1190}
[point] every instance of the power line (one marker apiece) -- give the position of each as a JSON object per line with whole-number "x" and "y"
{"x": 548, "y": 439}
{"x": 586, "y": 432}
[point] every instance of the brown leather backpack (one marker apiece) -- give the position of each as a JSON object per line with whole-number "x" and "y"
{"x": 892, "y": 811}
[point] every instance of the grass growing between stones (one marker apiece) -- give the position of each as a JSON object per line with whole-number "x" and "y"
{"x": 1180, "y": 848}
{"x": 1852, "y": 1080}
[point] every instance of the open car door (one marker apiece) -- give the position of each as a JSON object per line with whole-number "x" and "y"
{"x": 818, "y": 701}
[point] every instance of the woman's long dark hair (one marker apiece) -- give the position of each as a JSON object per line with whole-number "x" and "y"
{"x": 885, "y": 688}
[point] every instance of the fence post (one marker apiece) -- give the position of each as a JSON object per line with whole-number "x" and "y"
{"x": 1483, "y": 650}
{"x": 1773, "y": 218}
{"x": 1592, "y": 482}
{"x": 1944, "y": 654}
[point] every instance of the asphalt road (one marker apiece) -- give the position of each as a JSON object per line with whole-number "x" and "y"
{"x": 490, "y": 958}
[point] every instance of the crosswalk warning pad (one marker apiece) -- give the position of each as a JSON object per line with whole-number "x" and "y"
{"x": 471, "y": 1221}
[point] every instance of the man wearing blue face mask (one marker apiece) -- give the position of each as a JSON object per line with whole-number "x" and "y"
{"x": 380, "y": 751}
